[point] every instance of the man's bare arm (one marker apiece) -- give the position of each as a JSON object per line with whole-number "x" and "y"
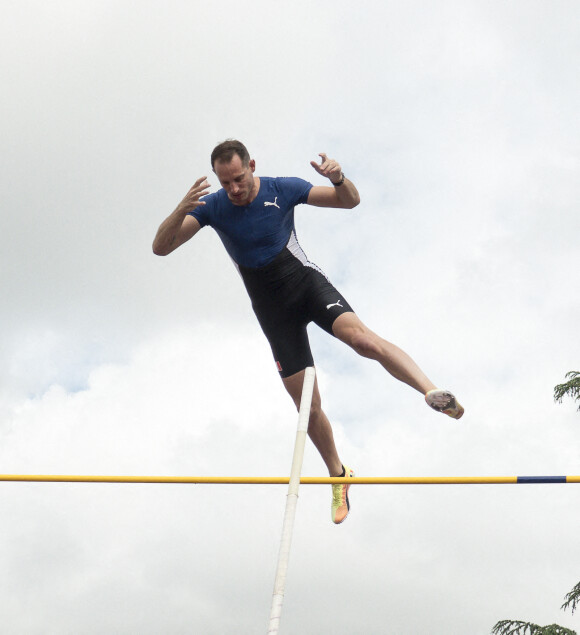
{"x": 343, "y": 196}
{"x": 178, "y": 227}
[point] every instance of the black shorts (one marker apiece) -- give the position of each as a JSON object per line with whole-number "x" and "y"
{"x": 287, "y": 294}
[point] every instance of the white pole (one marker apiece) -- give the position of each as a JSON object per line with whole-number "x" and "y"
{"x": 291, "y": 500}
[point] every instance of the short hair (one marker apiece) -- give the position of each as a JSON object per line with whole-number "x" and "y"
{"x": 224, "y": 152}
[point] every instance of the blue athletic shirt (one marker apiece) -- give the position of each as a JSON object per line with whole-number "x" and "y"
{"x": 255, "y": 234}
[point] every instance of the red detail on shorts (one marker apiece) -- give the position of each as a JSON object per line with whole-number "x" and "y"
{"x": 279, "y": 367}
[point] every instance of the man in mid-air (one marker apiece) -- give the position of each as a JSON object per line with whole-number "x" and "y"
{"x": 254, "y": 217}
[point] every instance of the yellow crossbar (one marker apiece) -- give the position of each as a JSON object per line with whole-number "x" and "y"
{"x": 282, "y": 480}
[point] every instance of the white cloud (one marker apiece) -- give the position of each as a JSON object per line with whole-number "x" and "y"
{"x": 458, "y": 123}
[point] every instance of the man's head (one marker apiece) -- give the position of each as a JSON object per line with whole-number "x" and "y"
{"x": 225, "y": 151}
{"x": 232, "y": 165}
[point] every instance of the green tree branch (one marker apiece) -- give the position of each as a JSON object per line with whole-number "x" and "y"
{"x": 570, "y": 388}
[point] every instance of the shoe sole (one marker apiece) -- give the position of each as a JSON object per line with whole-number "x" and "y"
{"x": 451, "y": 408}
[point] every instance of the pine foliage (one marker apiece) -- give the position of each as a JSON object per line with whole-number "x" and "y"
{"x": 570, "y": 388}
{"x": 515, "y": 627}
{"x": 572, "y": 599}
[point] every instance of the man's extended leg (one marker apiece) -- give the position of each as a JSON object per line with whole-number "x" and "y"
{"x": 349, "y": 329}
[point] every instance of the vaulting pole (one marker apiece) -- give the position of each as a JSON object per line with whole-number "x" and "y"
{"x": 291, "y": 501}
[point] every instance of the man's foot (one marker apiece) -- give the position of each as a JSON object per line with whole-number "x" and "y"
{"x": 340, "y": 505}
{"x": 444, "y": 401}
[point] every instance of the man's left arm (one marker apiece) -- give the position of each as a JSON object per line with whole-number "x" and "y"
{"x": 342, "y": 193}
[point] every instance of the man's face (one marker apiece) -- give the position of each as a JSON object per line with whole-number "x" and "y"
{"x": 237, "y": 180}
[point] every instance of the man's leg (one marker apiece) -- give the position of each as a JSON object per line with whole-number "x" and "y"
{"x": 320, "y": 433}
{"x": 319, "y": 429}
{"x": 349, "y": 329}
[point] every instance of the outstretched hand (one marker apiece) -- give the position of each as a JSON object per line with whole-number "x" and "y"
{"x": 328, "y": 168}
{"x": 191, "y": 199}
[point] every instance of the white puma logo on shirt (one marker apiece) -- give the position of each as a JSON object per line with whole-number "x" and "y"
{"x": 269, "y": 203}
{"x": 328, "y": 306}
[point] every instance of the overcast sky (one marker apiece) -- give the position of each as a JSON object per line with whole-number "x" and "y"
{"x": 458, "y": 122}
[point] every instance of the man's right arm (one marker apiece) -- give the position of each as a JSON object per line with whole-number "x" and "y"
{"x": 178, "y": 227}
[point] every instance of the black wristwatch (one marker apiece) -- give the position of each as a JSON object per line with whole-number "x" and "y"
{"x": 341, "y": 180}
